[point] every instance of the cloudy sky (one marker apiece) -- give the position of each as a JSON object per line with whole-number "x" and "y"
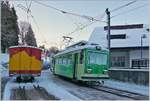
{"x": 50, "y": 25}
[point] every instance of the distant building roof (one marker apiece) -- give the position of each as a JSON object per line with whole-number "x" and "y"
{"x": 122, "y": 36}
{"x": 119, "y": 27}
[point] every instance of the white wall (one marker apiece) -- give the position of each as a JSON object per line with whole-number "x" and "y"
{"x": 136, "y": 54}
{"x": 133, "y": 37}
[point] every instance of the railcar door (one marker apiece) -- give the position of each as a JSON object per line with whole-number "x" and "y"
{"x": 75, "y": 65}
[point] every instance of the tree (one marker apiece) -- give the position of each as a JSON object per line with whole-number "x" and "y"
{"x": 54, "y": 49}
{"x": 30, "y": 38}
{"x": 9, "y": 26}
{"x": 23, "y": 26}
{"x": 42, "y": 47}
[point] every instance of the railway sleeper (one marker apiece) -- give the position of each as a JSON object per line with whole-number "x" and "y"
{"x": 36, "y": 87}
{"x": 22, "y": 93}
{"x": 44, "y": 93}
{"x": 122, "y": 93}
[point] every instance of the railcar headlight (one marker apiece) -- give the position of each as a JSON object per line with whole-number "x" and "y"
{"x": 89, "y": 70}
{"x": 105, "y": 71}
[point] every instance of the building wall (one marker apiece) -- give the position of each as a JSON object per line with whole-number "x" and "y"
{"x": 136, "y": 54}
{"x": 137, "y": 76}
{"x": 120, "y": 53}
{"x": 129, "y": 56}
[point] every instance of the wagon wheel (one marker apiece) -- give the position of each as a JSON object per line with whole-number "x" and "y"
{"x": 18, "y": 79}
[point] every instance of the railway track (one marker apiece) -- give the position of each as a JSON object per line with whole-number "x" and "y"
{"x": 114, "y": 91}
{"x": 34, "y": 93}
{"x": 22, "y": 93}
{"x": 44, "y": 94}
{"x": 122, "y": 93}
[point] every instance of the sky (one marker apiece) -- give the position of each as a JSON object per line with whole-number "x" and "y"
{"x": 49, "y": 25}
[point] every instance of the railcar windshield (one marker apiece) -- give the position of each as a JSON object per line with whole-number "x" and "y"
{"x": 97, "y": 58}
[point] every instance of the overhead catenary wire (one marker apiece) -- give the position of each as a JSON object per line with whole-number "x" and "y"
{"x": 133, "y": 9}
{"x": 84, "y": 16}
{"x": 125, "y": 5}
{"x": 34, "y": 20}
{"x": 118, "y": 8}
{"x": 75, "y": 23}
{"x": 88, "y": 24}
{"x": 69, "y": 13}
{"x": 29, "y": 14}
{"x": 29, "y": 5}
{"x": 92, "y": 19}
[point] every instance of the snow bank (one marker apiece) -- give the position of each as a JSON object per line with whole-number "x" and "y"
{"x": 44, "y": 81}
{"x": 13, "y": 85}
{"x": 55, "y": 89}
{"x": 4, "y": 58}
{"x": 4, "y": 72}
{"x": 7, "y": 91}
{"x": 128, "y": 86}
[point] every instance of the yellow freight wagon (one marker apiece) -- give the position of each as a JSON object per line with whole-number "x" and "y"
{"x": 25, "y": 62}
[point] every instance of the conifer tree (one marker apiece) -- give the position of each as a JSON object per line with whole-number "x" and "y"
{"x": 9, "y": 26}
{"x": 30, "y": 38}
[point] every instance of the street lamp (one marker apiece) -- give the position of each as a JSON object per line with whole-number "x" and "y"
{"x": 143, "y": 36}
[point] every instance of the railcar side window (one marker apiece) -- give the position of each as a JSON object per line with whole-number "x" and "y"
{"x": 64, "y": 61}
{"x": 69, "y": 61}
{"x": 57, "y": 61}
{"x": 60, "y": 60}
{"x": 81, "y": 57}
{"x": 97, "y": 58}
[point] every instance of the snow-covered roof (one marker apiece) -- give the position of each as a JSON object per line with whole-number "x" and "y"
{"x": 133, "y": 37}
{"x": 25, "y": 47}
{"x": 78, "y": 48}
{"x": 82, "y": 42}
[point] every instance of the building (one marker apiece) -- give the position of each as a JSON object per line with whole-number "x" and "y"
{"x": 129, "y": 44}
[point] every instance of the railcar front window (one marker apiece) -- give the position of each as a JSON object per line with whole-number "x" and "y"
{"x": 97, "y": 58}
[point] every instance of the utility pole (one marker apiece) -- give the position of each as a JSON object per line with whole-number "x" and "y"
{"x": 108, "y": 34}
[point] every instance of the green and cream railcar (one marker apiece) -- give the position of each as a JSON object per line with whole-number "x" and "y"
{"x": 85, "y": 63}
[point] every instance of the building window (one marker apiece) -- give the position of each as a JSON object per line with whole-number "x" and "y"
{"x": 140, "y": 63}
{"x": 118, "y": 61}
{"x": 118, "y": 36}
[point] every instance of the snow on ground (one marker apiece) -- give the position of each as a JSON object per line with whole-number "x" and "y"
{"x": 43, "y": 81}
{"x": 4, "y": 72}
{"x": 141, "y": 89}
{"x": 12, "y": 85}
{"x": 7, "y": 91}
{"x": 4, "y": 58}
{"x": 54, "y": 89}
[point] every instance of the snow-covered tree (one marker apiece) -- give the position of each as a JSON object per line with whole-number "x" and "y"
{"x": 23, "y": 26}
{"x": 30, "y": 38}
{"x": 9, "y": 26}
